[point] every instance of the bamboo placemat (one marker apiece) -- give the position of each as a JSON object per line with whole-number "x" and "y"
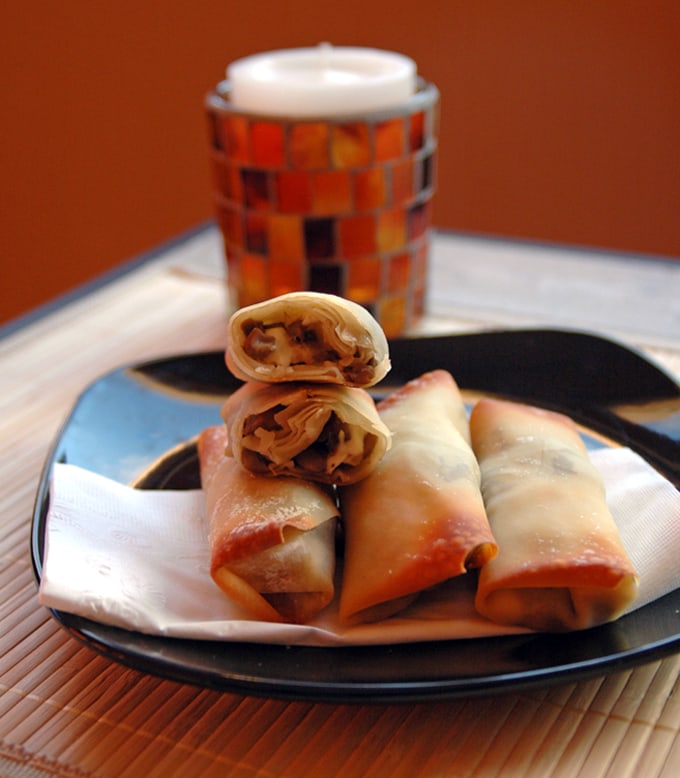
{"x": 66, "y": 711}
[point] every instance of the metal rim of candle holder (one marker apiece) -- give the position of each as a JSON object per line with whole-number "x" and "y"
{"x": 426, "y": 94}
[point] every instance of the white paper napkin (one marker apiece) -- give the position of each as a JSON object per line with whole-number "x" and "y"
{"x": 140, "y": 560}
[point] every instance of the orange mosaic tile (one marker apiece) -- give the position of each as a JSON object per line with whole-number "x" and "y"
{"x": 402, "y": 181}
{"x": 285, "y": 239}
{"x": 364, "y": 278}
{"x": 235, "y": 138}
{"x": 308, "y": 145}
{"x": 267, "y": 144}
{"x": 399, "y": 272}
{"x": 331, "y": 192}
{"x": 417, "y": 131}
{"x": 286, "y": 277}
{"x": 357, "y": 235}
{"x": 226, "y": 178}
{"x": 392, "y": 314}
{"x": 370, "y": 189}
{"x": 391, "y": 230}
{"x": 294, "y": 191}
{"x": 350, "y": 145}
{"x": 253, "y": 279}
{"x": 390, "y": 139}
{"x": 418, "y": 219}
{"x": 231, "y": 225}
{"x": 421, "y": 265}
{"x": 234, "y": 183}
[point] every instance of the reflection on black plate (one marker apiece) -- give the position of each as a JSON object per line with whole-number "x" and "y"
{"x": 133, "y": 425}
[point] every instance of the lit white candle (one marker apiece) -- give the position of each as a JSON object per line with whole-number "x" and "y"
{"x": 321, "y": 81}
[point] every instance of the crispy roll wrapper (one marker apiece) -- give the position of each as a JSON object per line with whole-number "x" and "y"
{"x": 418, "y": 519}
{"x": 272, "y": 541}
{"x": 328, "y": 434}
{"x": 307, "y": 336}
{"x": 561, "y": 564}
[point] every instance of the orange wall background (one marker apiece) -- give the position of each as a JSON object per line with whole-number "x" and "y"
{"x": 560, "y": 120}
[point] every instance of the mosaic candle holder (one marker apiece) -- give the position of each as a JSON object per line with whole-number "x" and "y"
{"x": 339, "y": 205}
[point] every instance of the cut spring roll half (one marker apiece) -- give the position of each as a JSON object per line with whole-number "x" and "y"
{"x": 561, "y": 564}
{"x": 418, "y": 519}
{"x": 272, "y": 541}
{"x": 329, "y": 434}
{"x": 307, "y": 336}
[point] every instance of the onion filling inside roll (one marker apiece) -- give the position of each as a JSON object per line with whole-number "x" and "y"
{"x": 329, "y": 434}
{"x": 337, "y": 447}
{"x": 298, "y": 343}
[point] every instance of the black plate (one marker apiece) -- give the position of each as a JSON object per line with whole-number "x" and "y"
{"x": 133, "y": 425}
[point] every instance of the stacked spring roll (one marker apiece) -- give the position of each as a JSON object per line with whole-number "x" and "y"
{"x": 301, "y": 424}
{"x": 307, "y": 336}
{"x": 307, "y": 359}
{"x": 324, "y": 433}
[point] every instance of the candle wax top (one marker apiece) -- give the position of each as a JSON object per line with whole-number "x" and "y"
{"x": 321, "y": 81}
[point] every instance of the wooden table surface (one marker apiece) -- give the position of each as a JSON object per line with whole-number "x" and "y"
{"x": 67, "y": 711}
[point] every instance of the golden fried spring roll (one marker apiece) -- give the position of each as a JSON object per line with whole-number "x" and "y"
{"x": 307, "y": 336}
{"x": 561, "y": 564}
{"x": 418, "y": 519}
{"x": 329, "y": 434}
{"x": 272, "y": 541}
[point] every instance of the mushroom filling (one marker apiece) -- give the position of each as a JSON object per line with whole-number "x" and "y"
{"x": 290, "y": 344}
{"x": 286, "y": 344}
{"x": 337, "y": 446}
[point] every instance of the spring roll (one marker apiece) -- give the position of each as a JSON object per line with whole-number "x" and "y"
{"x": 561, "y": 564}
{"x": 272, "y": 541}
{"x": 307, "y": 336}
{"x": 419, "y": 518}
{"x": 328, "y": 434}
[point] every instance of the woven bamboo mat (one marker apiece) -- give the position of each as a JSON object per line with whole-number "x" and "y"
{"x": 66, "y": 711}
